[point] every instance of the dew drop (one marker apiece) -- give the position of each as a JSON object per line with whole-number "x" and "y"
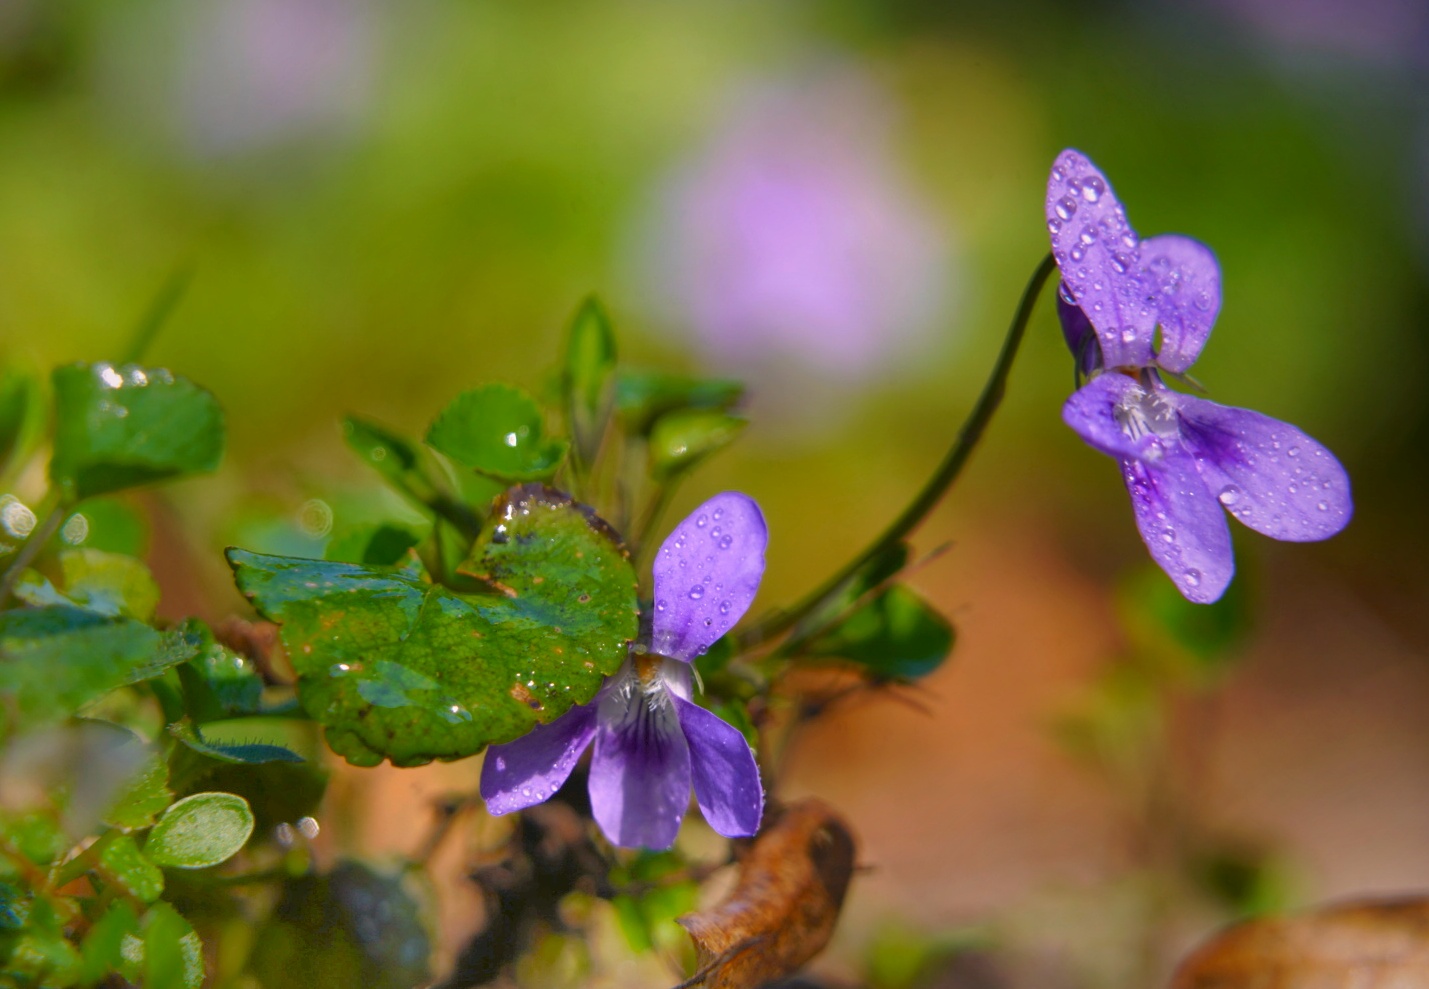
{"x": 1128, "y": 335}
{"x": 501, "y": 764}
{"x": 659, "y": 605}
{"x": 1054, "y": 226}
{"x": 726, "y": 542}
{"x": 1066, "y": 207}
{"x": 1229, "y": 495}
{"x": 701, "y": 521}
{"x": 525, "y": 791}
{"x": 697, "y": 592}
{"x": 1078, "y": 252}
{"x": 1193, "y": 578}
{"x": 718, "y": 514}
{"x": 1087, "y": 236}
{"x": 1323, "y": 506}
{"x": 1294, "y": 451}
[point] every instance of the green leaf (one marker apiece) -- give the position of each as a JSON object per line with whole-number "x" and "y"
{"x": 218, "y": 682}
{"x": 117, "y": 427}
{"x": 641, "y": 397}
{"x": 1207, "y": 634}
{"x": 36, "y": 836}
{"x": 351, "y": 927}
{"x": 14, "y": 908}
{"x": 497, "y": 430}
{"x": 109, "y": 583}
{"x": 895, "y": 636}
{"x": 59, "y": 658}
{"x": 21, "y": 411}
{"x": 108, "y": 524}
{"x": 249, "y": 753}
{"x": 121, "y": 862}
{"x": 200, "y": 831}
{"x": 372, "y": 543}
{"x": 277, "y": 792}
{"x": 390, "y": 455}
{"x": 680, "y": 440}
{"x": 142, "y": 798}
{"x": 42, "y": 955}
{"x": 399, "y": 668}
{"x": 589, "y": 379}
{"x": 102, "y": 948}
{"x": 168, "y": 953}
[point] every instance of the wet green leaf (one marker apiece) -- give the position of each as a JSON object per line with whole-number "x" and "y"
{"x": 351, "y": 927}
{"x": 117, "y": 427}
{"x": 895, "y": 636}
{"x": 641, "y": 397}
{"x": 59, "y": 658}
{"x": 277, "y": 792}
{"x": 218, "y": 682}
{"x": 167, "y": 954}
{"x": 399, "y": 668}
{"x": 589, "y": 377}
{"x": 200, "y": 831}
{"x": 142, "y": 798}
{"x": 680, "y": 440}
{"x": 36, "y": 836}
{"x": 121, "y": 862}
{"x": 497, "y": 430}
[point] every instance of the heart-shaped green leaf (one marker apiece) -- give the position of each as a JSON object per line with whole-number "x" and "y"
{"x": 400, "y": 668}
{"x": 497, "y": 430}
{"x": 199, "y": 831}
{"x": 117, "y": 427}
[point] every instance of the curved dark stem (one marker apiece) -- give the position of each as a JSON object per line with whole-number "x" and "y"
{"x": 937, "y": 486}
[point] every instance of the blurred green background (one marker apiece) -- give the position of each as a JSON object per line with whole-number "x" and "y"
{"x": 381, "y": 203}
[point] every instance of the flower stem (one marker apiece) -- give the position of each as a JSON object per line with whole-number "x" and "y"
{"x": 948, "y": 471}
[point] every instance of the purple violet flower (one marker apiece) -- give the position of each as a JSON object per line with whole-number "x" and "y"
{"x": 1132, "y": 309}
{"x": 651, "y": 740}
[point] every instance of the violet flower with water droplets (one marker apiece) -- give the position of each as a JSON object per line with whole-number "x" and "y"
{"x": 1132, "y": 309}
{"x": 651, "y": 740}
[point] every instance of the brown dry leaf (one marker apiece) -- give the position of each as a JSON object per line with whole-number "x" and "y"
{"x": 1370, "y": 945}
{"x": 783, "y": 907}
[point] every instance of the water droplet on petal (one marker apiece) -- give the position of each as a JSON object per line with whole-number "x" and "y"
{"x": 1229, "y": 495}
{"x": 726, "y": 542}
{"x": 1294, "y": 451}
{"x": 724, "y": 606}
{"x": 1193, "y": 578}
{"x": 697, "y": 592}
{"x": 659, "y": 605}
{"x": 1092, "y": 188}
{"x": 1128, "y": 335}
{"x": 1066, "y": 207}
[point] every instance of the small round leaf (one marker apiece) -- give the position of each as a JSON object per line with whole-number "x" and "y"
{"x": 199, "y": 831}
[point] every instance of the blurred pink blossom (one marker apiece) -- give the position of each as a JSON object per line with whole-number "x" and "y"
{"x": 792, "y": 238}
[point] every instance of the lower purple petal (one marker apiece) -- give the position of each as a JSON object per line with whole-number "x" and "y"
{"x": 726, "y": 776}
{"x": 640, "y": 773}
{"x": 1268, "y": 474}
{"x": 531, "y": 769}
{"x": 1182, "y": 525}
{"x": 1093, "y": 409}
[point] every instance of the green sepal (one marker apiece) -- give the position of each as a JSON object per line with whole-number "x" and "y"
{"x": 118, "y": 427}
{"x": 681, "y": 440}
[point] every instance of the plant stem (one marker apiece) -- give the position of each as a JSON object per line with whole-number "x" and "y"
{"x": 154, "y": 318}
{"x": 948, "y": 471}
{"x": 54, "y": 514}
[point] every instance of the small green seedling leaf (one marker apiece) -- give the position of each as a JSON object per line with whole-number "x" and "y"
{"x": 102, "y": 949}
{"x": 121, "y": 862}
{"x": 680, "y": 440}
{"x": 200, "y": 831}
{"x": 109, "y": 583}
{"x": 642, "y": 397}
{"x": 400, "y": 668}
{"x": 390, "y": 455}
{"x": 118, "y": 427}
{"x": 895, "y": 636}
{"x": 589, "y": 379}
{"x": 497, "y": 430}
{"x": 167, "y": 954}
{"x": 59, "y": 658}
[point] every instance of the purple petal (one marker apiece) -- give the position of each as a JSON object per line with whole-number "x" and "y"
{"x": 1096, "y": 250}
{"x": 726, "y": 776}
{"x": 1182, "y": 524}
{"x": 640, "y": 773}
{"x": 1183, "y": 278}
{"x": 706, "y": 575}
{"x": 1097, "y": 409}
{"x": 531, "y": 769}
{"x": 1267, "y": 473}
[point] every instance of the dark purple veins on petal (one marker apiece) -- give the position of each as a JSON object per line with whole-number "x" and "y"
{"x": 707, "y": 574}
{"x": 640, "y": 772}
